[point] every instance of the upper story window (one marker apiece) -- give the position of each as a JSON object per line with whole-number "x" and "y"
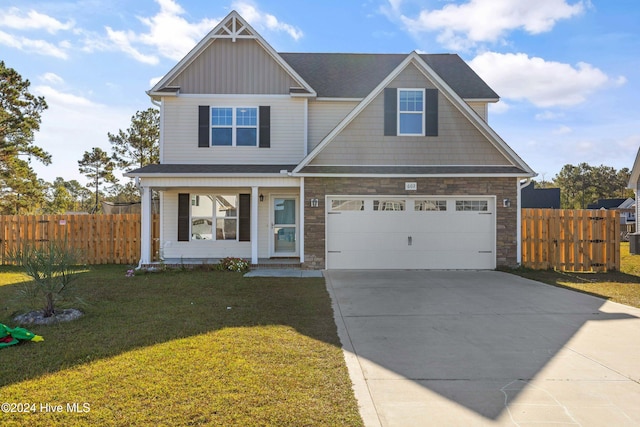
{"x": 411, "y": 112}
{"x": 237, "y": 126}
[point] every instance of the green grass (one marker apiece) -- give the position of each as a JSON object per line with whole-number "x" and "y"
{"x": 183, "y": 348}
{"x": 620, "y": 286}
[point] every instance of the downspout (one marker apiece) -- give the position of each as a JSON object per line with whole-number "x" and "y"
{"x": 521, "y": 185}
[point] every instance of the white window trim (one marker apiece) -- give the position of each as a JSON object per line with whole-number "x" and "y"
{"x": 421, "y": 113}
{"x": 214, "y": 217}
{"x": 234, "y": 126}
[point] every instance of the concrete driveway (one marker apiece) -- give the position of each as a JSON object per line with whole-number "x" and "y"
{"x": 485, "y": 348}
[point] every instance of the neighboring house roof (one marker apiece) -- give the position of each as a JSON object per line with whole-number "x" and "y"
{"x": 540, "y": 198}
{"x": 355, "y": 75}
{"x": 611, "y": 204}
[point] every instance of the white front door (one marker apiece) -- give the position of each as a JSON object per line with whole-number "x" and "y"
{"x": 284, "y": 226}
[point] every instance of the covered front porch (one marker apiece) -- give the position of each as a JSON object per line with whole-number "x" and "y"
{"x": 203, "y": 220}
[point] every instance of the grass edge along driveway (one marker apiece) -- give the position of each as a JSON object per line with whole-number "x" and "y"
{"x": 181, "y": 348}
{"x": 619, "y": 286}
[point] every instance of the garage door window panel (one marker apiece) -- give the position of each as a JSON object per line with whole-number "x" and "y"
{"x": 389, "y": 205}
{"x": 430, "y": 205}
{"x": 347, "y": 205}
{"x": 472, "y": 205}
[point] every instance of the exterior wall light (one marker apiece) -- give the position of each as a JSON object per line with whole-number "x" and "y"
{"x": 261, "y": 197}
{"x": 506, "y": 203}
{"x": 313, "y": 203}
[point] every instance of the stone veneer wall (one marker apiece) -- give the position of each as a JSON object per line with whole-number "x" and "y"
{"x": 318, "y": 188}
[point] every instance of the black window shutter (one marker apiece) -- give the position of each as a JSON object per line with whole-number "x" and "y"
{"x": 244, "y": 218}
{"x": 183, "y": 217}
{"x": 204, "y": 127}
{"x": 431, "y": 113}
{"x": 390, "y": 111}
{"x": 265, "y": 126}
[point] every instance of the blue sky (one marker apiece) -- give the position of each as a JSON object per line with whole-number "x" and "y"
{"x": 567, "y": 71}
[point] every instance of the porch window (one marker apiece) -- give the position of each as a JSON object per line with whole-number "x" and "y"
{"x": 234, "y": 126}
{"x": 214, "y": 217}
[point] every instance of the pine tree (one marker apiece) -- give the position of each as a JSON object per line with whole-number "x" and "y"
{"x": 98, "y": 167}
{"x": 139, "y": 145}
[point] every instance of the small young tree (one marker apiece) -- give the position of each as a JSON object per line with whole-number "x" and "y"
{"x": 98, "y": 167}
{"x": 53, "y": 266}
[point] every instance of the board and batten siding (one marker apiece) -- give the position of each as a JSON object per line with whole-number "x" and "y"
{"x": 240, "y": 67}
{"x": 180, "y": 132}
{"x": 324, "y": 116}
{"x": 362, "y": 142}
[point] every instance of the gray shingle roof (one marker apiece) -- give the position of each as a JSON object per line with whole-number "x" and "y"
{"x": 413, "y": 170}
{"x": 355, "y": 75}
{"x": 210, "y": 169}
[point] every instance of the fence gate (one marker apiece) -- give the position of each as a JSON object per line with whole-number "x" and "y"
{"x": 571, "y": 240}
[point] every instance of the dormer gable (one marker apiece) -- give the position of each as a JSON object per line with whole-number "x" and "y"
{"x": 232, "y": 59}
{"x": 379, "y": 139}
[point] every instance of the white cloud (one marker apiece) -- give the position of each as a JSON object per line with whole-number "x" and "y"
{"x": 543, "y": 83}
{"x": 70, "y": 126}
{"x": 500, "y": 107}
{"x": 40, "y": 47}
{"x": 461, "y": 26}
{"x": 549, "y": 115}
{"x": 52, "y": 78}
{"x": 631, "y": 143}
{"x": 32, "y": 20}
{"x": 154, "y": 80}
{"x": 562, "y": 130}
{"x": 122, "y": 41}
{"x": 171, "y": 34}
{"x": 260, "y": 19}
{"x": 168, "y": 35}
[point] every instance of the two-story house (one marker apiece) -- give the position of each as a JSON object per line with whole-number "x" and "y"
{"x": 338, "y": 160}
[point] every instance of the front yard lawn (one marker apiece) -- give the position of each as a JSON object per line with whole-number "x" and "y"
{"x": 620, "y": 286}
{"x": 182, "y": 348}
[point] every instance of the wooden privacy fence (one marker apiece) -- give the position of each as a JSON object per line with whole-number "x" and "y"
{"x": 571, "y": 240}
{"x": 99, "y": 239}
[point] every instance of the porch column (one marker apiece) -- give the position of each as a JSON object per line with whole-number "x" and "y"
{"x": 145, "y": 228}
{"x": 301, "y": 232}
{"x": 254, "y": 225}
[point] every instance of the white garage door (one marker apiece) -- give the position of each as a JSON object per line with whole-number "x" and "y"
{"x": 366, "y": 232}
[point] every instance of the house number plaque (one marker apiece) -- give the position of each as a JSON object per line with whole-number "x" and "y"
{"x": 411, "y": 186}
